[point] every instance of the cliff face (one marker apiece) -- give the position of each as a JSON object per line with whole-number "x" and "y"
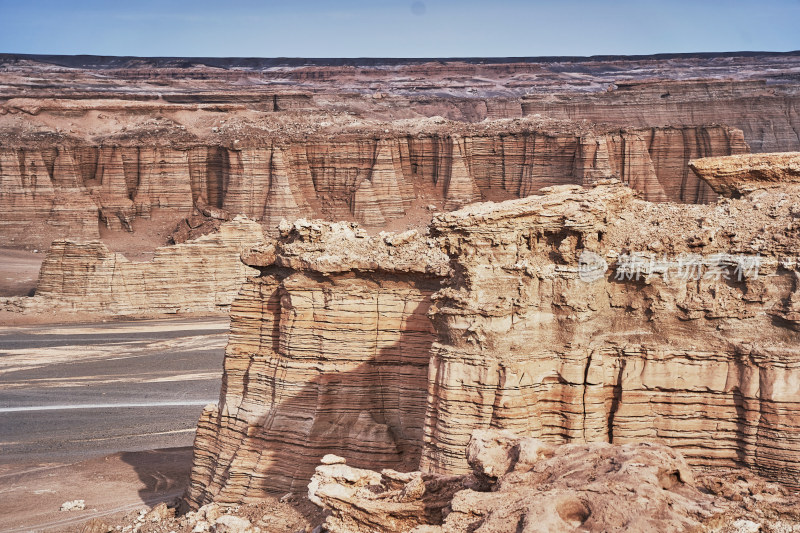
{"x": 680, "y": 341}
{"x": 373, "y": 179}
{"x": 768, "y": 115}
{"x": 360, "y": 301}
{"x": 202, "y": 275}
{"x": 579, "y": 315}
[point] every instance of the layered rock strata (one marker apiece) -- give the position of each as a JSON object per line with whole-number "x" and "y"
{"x": 362, "y": 302}
{"x": 201, "y": 275}
{"x": 767, "y": 113}
{"x": 524, "y": 484}
{"x": 581, "y": 315}
{"x": 688, "y": 338}
{"x": 734, "y": 176}
{"x": 372, "y": 179}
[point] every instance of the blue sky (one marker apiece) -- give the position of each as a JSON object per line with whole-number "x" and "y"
{"x": 429, "y": 28}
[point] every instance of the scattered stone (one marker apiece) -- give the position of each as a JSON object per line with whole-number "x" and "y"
{"x": 232, "y": 524}
{"x": 74, "y": 505}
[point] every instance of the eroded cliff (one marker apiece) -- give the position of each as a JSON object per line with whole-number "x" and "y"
{"x": 579, "y": 315}
{"x": 198, "y": 276}
{"x": 361, "y": 302}
{"x": 373, "y": 177}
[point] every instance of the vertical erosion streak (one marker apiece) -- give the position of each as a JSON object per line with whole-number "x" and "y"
{"x": 585, "y": 390}
{"x": 615, "y": 401}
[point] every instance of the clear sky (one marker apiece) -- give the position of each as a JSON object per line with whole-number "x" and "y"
{"x": 395, "y": 28}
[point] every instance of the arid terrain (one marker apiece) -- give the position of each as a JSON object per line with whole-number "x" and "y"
{"x": 483, "y": 294}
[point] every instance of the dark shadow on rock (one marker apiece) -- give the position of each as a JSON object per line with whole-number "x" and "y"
{"x": 372, "y": 414}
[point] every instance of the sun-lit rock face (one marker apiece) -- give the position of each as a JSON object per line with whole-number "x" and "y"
{"x": 328, "y": 352}
{"x": 524, "y": 484}
{"x": 578, "y": 315}
{"x": 373, "y": 178}
{"x": 688, "y": 338}
{"x": 200, "y": 275}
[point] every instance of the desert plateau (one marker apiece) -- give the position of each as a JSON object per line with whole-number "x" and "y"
{"x": 554, "y": 293}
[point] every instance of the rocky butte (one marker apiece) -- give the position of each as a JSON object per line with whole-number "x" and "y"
{"x": 579, "y": 315}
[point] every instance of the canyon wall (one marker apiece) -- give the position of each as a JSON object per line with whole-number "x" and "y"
{"x": 200, "y": 276}
{"x": 63, "y": 191}
{"x": 767, "y": 114}
{"x": 581, "y": 315}
{"x": 362, "y": 302}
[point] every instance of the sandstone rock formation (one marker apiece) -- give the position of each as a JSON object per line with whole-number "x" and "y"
{"x": 372, "y": 178}
{"x": 580, "y": 315}
{"x": 746, "y": 105}
{"x": 734, "y": 176}
{"x": 179, "y": 133}
{"x": 362, "y": 301}
{"x": 556, "y": 351}
{"x": 524, "y": 484}
{"x": 34, "y": 193}
{"x": 201, "y": 275}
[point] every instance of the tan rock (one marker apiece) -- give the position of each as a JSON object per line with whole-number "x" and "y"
{"x": 116, "y": 207}
{"x": 733, "y": 176}
{"x": 281, "y": 203}
{"x": 459, "y": 189}
{"x": 385, "y": 183}
{"x": 532, "y": 335}
{"x": 202, "y": 275}
{"x": 576, "y": 487}
{"x": 366, "y": 206}
{"x": 366, "y": 396}
{"x": 164, "y": 180}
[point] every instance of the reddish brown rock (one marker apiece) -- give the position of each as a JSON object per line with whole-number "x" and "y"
{"x": 453, "y": 164}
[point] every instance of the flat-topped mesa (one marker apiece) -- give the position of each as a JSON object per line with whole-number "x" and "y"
{"x": 328, "y": 351}
{"x": 373, "y": 176}
{"x": 736, "y": 175}
{"x": 198, "y": 276}
{"x": 696, "y": 322}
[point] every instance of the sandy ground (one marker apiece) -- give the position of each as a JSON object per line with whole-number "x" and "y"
{"x": 111, "y": 486}
{"x": 19, "y": 271}
{"x": 102, "y": 412}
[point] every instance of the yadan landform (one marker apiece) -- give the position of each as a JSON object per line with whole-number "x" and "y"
{"x": 479, "y": 295}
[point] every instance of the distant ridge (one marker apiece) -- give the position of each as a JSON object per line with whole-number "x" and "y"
{"x": 256, "y": 63}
